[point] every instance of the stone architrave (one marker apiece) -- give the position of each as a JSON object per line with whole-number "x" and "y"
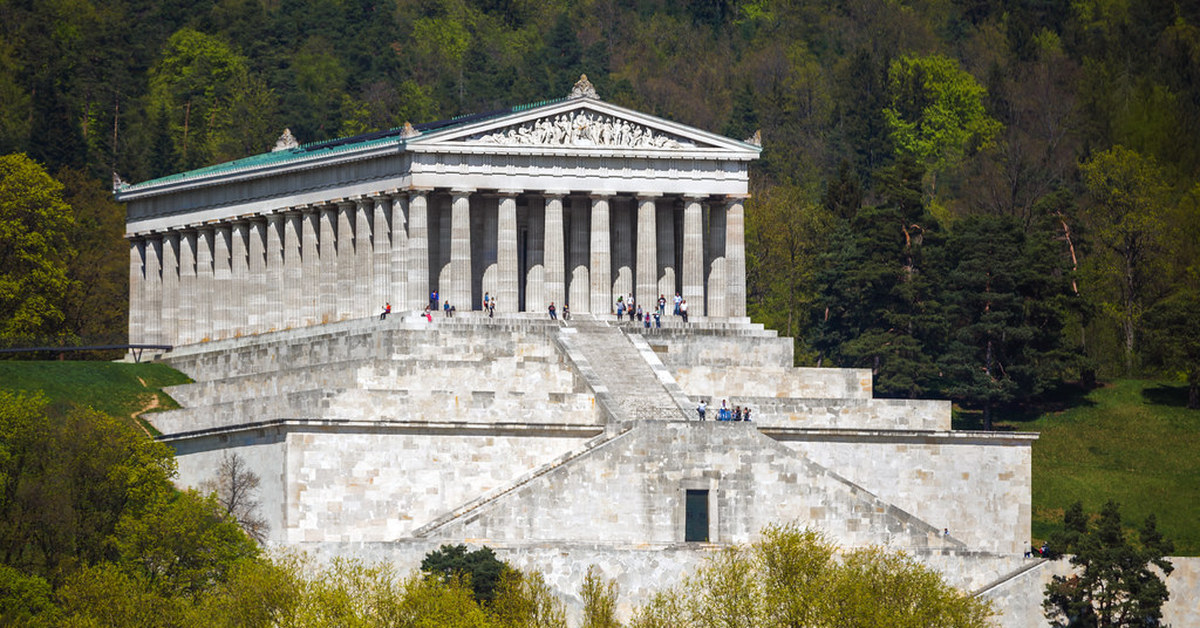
{"x": 717, "y": 278}
{"x": 506, "y": 251}
{"x": 397, "y": 293}
{"x": 600, "y": 256}
{"x": 555, "y": 252}
{"x": 222, "y": 280}
{"x": 187, "y": 328}
{"x": 667, "y": 277}
{"x": 693, "y": 255}
{"x": 647, "y": 251}
{"x": 257, "y": 316}
{"x": 329, "y": 267}
{"x": 735, "y": 258}
{"x": 239, "y": 286}
{"x": 535, "y": 256}
{"x": 345, "y": 262}
{"x": 278, "y": 294}
{"x": 622, "y": 250}
{"x": 170, "y": 287}
{"x": 206, "y": 292}
{"x": 137, "y": 290}
{"x": 459, "y": 294}
{"x": 418, "y": 249}
{"x": 577, "y": 291}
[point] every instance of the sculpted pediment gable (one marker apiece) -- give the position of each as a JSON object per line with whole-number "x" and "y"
{"x": 583, "y": 128}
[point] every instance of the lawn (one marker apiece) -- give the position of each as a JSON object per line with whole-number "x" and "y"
{"x": 115, "y": 388}
{"x": 1133, "y": 441}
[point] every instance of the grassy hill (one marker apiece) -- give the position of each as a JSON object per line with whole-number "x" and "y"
{"x": 1133, "y": 441}
{"x": 1130, "y": 440}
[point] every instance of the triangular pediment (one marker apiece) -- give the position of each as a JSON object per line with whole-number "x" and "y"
{"x": 582, "y": 124}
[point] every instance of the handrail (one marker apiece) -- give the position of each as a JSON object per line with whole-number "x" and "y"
{"x": 136, "y": 349}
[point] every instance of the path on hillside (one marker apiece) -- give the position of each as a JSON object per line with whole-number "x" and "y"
{"x": 150, "y": 405}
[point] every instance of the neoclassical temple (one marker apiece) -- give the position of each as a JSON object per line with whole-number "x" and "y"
{"x": 574, "y": 202}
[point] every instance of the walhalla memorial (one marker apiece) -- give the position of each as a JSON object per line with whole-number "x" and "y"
{"x": 559, "y": 443}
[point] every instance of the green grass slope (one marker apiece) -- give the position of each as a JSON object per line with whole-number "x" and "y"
{"x": 1133, "y": 441}
{"x": 118, "y": 389}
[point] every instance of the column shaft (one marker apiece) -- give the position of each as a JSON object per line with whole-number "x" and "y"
{"x": 668, "y": 284}
{"x": 154, "y": 289}
{"x": 397, "y": 292}
{"x": 292, "y": 259}
{"x": 364, "y": 261}
{"x": 735, "y": 256}
{"x": 693, "y": 256}
{"x": 346, "y": 266}
{"x": 418, "y": 249}
{"x": 600, "y": 257}
{"x": 137, "y": 290}
{"x": 310, "y": 266}
{"x": 240, "y": 285}
{"x": 381, "y": 254}
{"x": 717, "y": 281}
{"x": 440, "y": 281}
{"x": 459, "y": 294}
{"x": 578, "y": 292}
{"x": 555, "y": 254}
{"x": 506, "y": 253}
{"x": 170, "y": 287}
{"x": 279, "y": 294}
{"x": 622, "y": 251}
{"x": 222, "y": 278}
{"x": 647, "y": 252}
{"x": 488, "y": 251}
{"x": 329, "y": 267}
{"x": 186, "y": 326}
{"x": 535, "y": 256}
{"x": 205, "y": 289}
{"x": 258, "y": 305}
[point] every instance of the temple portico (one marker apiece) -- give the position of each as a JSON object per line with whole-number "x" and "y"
{"x": 575, "y": 202}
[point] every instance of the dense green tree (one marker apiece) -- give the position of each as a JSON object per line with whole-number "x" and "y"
{"x": 34, "y": 226}
{"x": 1174, "y": 338}
{"x": 599, "y": 600}
{"x": 479, "y": 567}
{"x": 1117, "y": 581}
{"x": 94, "y": 308}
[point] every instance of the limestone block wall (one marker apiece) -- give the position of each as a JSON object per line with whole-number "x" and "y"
{"x": 877, "y": 414}
{"x": 635, "y": 486}
{"x": 976, "y": 485}
{"x": 721, "y": 348}
{"x": 723, "y": 382}
{"x": 380, "y": 486}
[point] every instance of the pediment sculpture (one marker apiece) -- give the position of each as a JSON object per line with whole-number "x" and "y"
{"x": 582, "y": 128}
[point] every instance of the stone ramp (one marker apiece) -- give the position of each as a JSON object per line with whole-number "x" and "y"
{"x": 630, "y": 383}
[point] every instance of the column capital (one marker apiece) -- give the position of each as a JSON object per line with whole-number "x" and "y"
{"x": 601, "y": 194}
{"x": 509, "y": 192}
{"x": 462, "y": 191}
{"x": 556, "y": 193}
{"x": 647, "y": 195}
{"x": 693, "y": 196}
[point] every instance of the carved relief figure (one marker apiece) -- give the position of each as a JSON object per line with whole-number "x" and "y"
{"x": 582, "y": 128}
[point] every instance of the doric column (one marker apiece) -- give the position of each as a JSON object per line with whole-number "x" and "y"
{"x": 295, "y": 290}
{"x": 278, "y": 294}
{"x": 693, "y": 255}
{"x": 579, "y": 288}
{"x": 381, "y": 255}
{"x": 418, "y": 249}
{"x": 622, "y": 250}
{"x": 459, "y": 294}
{"x": 717, "y": 281}
{"x": 329, "y": 267}
{"x": 206, "y": 290}
{"x": 186, "y": 326}
{"x": 555, "y": 253}
{"x": 154, "y": 300}
{"x": 137, "y": 290}
{"x": 647, "y": 251}
{"x": 310, "y": 266}
{"x": 364, "y": 260}
{"x": 600, "y": 255}
{"x": 239, "y": 297}
{"x": 440, "y": 279}
{"x": 506, "y": 251}
{"x": 346, "y": 266}
{"x": 667, "y": 274}
{"x": 170, "y": 287}
{"x": 535, "y": 256}
{"x": 256, "y": 303}
{"x": 486, "y": 266}
{"x": 397, "y": 293}
{"x": 735, "y": 257}
{"x": 222, "y": 279}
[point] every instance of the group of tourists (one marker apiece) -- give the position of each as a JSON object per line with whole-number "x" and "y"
{"x": 627, "y": 306}
{"x": 724, "y": 413}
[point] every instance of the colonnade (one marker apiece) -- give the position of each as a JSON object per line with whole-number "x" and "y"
{"x": 319, "y": 263}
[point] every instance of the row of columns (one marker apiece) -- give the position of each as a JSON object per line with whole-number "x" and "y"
{"x": 315, "y": 264}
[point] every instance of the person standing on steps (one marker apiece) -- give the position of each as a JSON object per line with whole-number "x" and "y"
{"x": 553, "y": 312}
{"x": 683, "y": 309}
{"x": 433, "y": 300}
{"x": 701, "y": 409}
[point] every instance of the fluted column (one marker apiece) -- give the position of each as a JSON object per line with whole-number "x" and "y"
{"x": 241, "y": 286}
{"x": 295, "y": 290}
{"x": 310, "y": 266}
{"x": 154, "y": 295}
{"x": 486, "y": 267}
{"x": 381, "y": 254}
{"x": 506, "y": 251}
{"x": 555, "y": 253}
{"x": 693, "y": 255}
{"x": 278, "y": 294}
{"x": 418, "y": 249}
{"x": 186, "y": 326}
{"x": 667, "y": 273}
{"x": 440, "y": 280}
{"x": 222, "y": 280}
{"x": 600, "y": 254}
{"x": 579, "y": 289}
{"x": 364, "y": 263}
{"x": 206, "y": 289}
{"x": 622, "y": 251}
{"x": 717, "y": 279}
{"x": 459, "y": 294}
{"x": 170, "y": 287}
{"x": 397, "y": 292}
{"x": 329, "y": 267}
{"x": 735, "y": 257}
{"x": 346, "y": 266}
{"x": 256, "y": 302}
{"x": 647, "y": 251}
{"x": 137, "y": 290}
{"x": 535, "y": 257}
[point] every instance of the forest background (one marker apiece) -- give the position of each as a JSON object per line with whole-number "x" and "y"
{"x": 980, "y": 200}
